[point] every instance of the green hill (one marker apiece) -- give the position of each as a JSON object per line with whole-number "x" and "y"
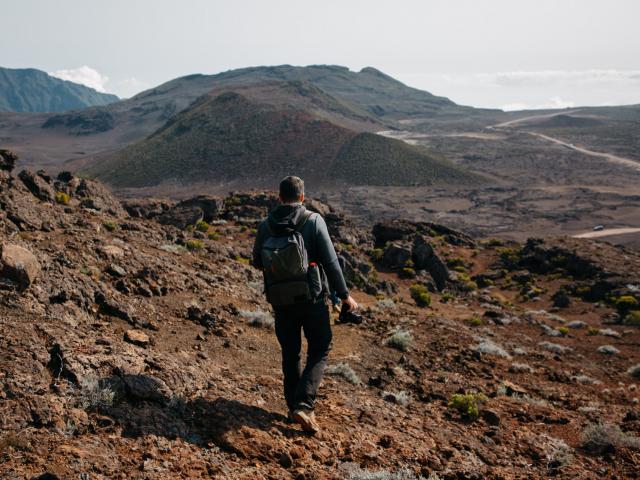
{"x": 230, "y": 137}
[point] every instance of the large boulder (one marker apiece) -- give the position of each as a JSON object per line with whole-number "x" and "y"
{"x": 38, "y": 185}
{"x": 396, "y": 256}
{"x": 212, "y": 207}
{"x": 95, "y": 196}
{"x": 7, "y": 160}
{"x": 425, "y": 258}
{"x": 392, "y": 231}
{"x": 19, "y": 265}
{"x": 181, "y": 217}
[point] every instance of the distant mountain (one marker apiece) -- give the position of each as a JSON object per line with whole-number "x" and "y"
{"x": 31, "y": 90}
{"x": 367, "y": 100}
{"x": 231, "y": 137}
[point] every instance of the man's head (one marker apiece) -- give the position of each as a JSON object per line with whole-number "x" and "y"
{"x": 291, "y": 190}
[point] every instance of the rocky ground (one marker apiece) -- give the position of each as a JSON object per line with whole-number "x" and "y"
{"x": 135, "y": 343}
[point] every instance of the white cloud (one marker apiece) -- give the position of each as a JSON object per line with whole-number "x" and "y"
{"x": 554, "y": 102}
{"x": 84, "y": 75}
{"x": 128, "y": 87}
{"x": 546, "y": 77}
{"x": 533, "y": 89}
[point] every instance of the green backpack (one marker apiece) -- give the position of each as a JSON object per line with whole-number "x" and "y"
{"x": 285, "y": 266}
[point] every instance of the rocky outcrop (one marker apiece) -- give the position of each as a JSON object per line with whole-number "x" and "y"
{"x": 37, "y": 185}
{"x": 7, "y": 160}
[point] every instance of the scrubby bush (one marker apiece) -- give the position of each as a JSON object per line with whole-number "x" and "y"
{"x": 401, "y": 340}
{"x": 420, "y": 295}
{"x": 213, "y": 236}
{"x": 407, "y": 272}
{"x": 446, "y": 297}
{"x": 62, "y": 198}
{"x": 376, "y": 254}
{"x": 258, "y": 318}
{"x": 467, "y": 404}
{"x": 202, "y": 226}
{"x": 563, "y": 331}
{"x": 602, "y": 437}
{"x": 491, "y": 348}
{"x": 345, "y": 371}
{"x": 173, "y": 248}
{"x": 400, "y": 398}
{"x": 195, "y": 244}
{"x": 93, "y": 395}
{"x": 554, "y": 347}
{"x": 510, "y": 257}
{"x": 110, "y": 225}
{"x": 386, "y": 304}
{"x": 634, "y": 371}
{"x": 633, "y": 318}
{"x": 355, "y": 472}
{"x": 593, "y": 331}
{"x": 625, "y": 303}
{"x": 475, "y": 321}
{"x": 608, "y": 350}
{"x": 493, "y": 242}
{"x": 520, "y": 368}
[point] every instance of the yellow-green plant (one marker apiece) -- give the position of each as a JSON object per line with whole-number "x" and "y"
{"x": 62, "y": 198}
{"x": 467, "y": 404}
{"x": 195, "y": 244}
{"x": 420, "y": 294}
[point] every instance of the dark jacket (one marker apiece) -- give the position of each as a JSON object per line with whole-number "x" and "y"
{"x": 316, "y": 240}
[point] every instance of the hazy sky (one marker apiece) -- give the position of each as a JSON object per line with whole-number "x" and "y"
{"x": 491, "y": 53}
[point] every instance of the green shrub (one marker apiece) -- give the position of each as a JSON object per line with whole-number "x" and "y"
{"x": 593, "y": 331}
{"x": 468, "y": 404}
{"x": 110, "y": 225}
{"x": 633, "y": 318}
{"x": 420, "y": 294}
{"x": 195, "y": 244}
{"x": 202, "y": 226}
{"x": 493, "y": 242}
{"x": 469, "y": 286}
{"x": 510, "y": 257}
{"x": 213, "y": 236}
{"x": 242, "y": 260}
{"x": 456, "y": 262}
{"x": 475, "y": 321}
{"x": 376, "y": 254}
{"x": 625, "y": 303}
{"x": 563, "y": 330}
{"x": 446, "y": 296}
{"x": 407, "y": 272}
{"x": 62, "y": 198}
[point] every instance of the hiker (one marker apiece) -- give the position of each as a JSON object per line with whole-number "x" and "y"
{"x": 300, "y": 267}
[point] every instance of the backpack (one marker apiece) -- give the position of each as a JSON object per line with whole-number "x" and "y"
{"x": 286, "y": 266}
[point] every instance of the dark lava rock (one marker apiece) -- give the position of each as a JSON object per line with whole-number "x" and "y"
{"x": 146, "y": 388}
{"x": 7, "y": 160}
{"x": 37, "y": 185}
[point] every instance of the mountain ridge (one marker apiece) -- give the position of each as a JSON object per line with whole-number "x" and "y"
{"x": 32, "y": 90}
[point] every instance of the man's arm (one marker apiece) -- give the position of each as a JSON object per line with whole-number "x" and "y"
{"x": 257, "y": 246}
{"x": 327, "y": 256}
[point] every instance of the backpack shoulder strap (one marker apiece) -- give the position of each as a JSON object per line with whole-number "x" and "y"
{"x": 305, "y": 216}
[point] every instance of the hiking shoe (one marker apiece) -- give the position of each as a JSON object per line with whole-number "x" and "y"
{"x": 307, "y": 419}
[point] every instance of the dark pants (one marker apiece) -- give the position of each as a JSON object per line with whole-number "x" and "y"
{"x": 300, "y": 386}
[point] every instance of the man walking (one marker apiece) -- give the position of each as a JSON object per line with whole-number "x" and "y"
{"x": 300, "y": 267}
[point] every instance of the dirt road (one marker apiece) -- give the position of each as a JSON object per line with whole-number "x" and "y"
{"x": 607, "y": 232}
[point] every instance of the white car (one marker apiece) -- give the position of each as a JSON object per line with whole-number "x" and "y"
{"x": 597, "y": 228}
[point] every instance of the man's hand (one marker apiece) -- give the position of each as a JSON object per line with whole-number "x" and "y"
{"x": 350, "y": 303}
